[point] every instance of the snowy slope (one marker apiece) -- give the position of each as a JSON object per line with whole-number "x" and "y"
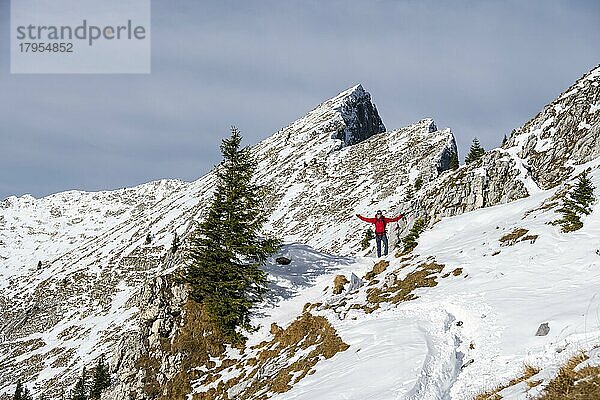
{"x": 102, "y": 289}
{"x": 85, "y": 296}
{"x": 475, "y": 329}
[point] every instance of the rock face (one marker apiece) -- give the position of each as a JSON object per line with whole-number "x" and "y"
{"x": 537, "y": 156}
{"x": 491, "y": 180}
{"x": 360, "y": 117}
{"x": 148, "y": 360}
{"x": 543, "y": 329}
{"x": 160, "y": 304}
{"x": 565, "y": 132}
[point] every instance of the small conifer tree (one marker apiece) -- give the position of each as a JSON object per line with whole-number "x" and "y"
{"x": 576, "y": 203}
{"x": 18, "y": 391}
{"x": 101, "y": 379}
{"x": 175, "y": 244}
{"x": 418, "y": 183}
{"x": 21, "y": 392}
{"x": 369, "y": 235}
{"x": 410, "y": 240}
{"x": 454, "y": 161}
{"x": 227, "y": 251}
{"x": 79, "y": 392}
{"x": 475, "y": 152}
{"x": 409, "y": 192}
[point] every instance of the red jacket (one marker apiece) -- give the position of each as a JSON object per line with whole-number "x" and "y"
{"x": 380, "y": 222}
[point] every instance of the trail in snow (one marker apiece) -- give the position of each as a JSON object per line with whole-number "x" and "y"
{"x": 473, "y": 332}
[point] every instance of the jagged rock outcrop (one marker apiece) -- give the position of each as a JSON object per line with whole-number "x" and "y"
{"x": 491, "y": 180}
{"x": 144, "y": 363}
{"x": 360, "y": 116}
{"x": 565, "y": 132}
{"x": 539, "y": 155}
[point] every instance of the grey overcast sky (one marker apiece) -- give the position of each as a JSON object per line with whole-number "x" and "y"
{"x": 479, "y": 67}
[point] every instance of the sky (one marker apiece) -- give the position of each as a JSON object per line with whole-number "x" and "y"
{"x": 481, "y": 68}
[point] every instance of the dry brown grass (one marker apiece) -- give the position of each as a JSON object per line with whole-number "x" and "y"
{"x": 511, "y": 238}
{"x": 530, "y": 238}
{"x": 306, "y": 331}
{"x": 423, "y": 276}
{"x": 456, "y": 272}
{"x": 377, "y": 269}
{"x": 338, "y": 284}
{"x": 528, "y": 372}
{"x": 583, "y": 384}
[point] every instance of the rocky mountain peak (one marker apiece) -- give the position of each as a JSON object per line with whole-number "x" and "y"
{"x": 360, "y": 116}
{"x": 344, "y": 120}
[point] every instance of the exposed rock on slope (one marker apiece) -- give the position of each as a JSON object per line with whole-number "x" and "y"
{"x": 360, "y": 116}
{"x": 313, "y": 188}
{"x": 85, "y": 298}
{"x": 565, "y": 133}
{"x": 538, "y": 155}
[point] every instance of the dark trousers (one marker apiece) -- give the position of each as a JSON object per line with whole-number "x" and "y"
{"x": 379, "y": 239}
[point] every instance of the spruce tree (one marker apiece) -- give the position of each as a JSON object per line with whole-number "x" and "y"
{"x": 227, "y": 251}
{"x": 577, "y": 203}
{"x": 79, "y": 392}
{"x": 101, "y": 379}
{"x": 366, "y": 241}
{"x": 21, "y": 392}
{"x": 18, "y": 392}
{"x": 475, "y": 152}
{"x": 410, "y": 240}
{"x": 409, "y": 192}
{"x": 418, "y": 183}
{"x": 175, "y": 244}
{"x": 454, "y": 161}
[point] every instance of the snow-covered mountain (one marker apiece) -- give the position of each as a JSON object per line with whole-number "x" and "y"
{"x": 102, "y": 289}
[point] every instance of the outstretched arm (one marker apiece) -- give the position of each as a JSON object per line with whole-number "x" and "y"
{"x": 395, "y": 218}
{"x": 370, "y": 220}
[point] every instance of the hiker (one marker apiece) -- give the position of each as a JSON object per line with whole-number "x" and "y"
{"x": 380, "y": 221}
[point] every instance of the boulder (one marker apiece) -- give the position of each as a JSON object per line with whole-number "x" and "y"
{"x": 355, "y": 283}
{"x": 283, "y": 260}
{"x": 543, "y": 329}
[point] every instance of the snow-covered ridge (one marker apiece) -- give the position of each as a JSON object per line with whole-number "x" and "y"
{"x": 83, "y": 298}
{"x": 91, "y": 294}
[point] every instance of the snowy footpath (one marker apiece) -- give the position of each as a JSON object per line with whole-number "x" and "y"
{"x": 471, "y": 332}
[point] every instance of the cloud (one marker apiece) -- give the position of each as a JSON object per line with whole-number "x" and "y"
{"x": 482, "y": 68}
